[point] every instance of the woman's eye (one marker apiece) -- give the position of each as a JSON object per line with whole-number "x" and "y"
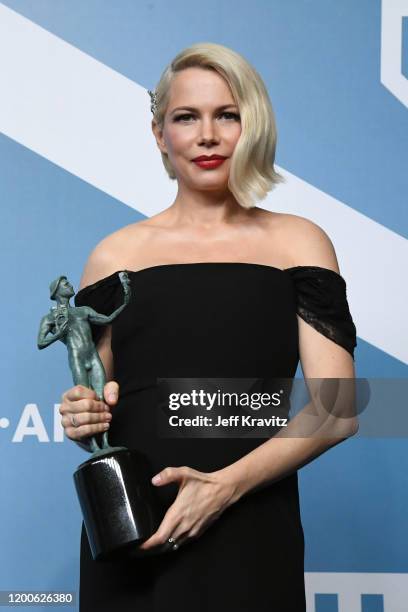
{"x": 186, "y": 116}
{"x": 179, "y": 117}
{"x": 233, "y": 115}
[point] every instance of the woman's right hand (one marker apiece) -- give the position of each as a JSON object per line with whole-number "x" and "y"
{"x": 91, "y": 415}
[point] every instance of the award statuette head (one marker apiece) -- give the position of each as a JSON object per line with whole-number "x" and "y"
{"x": 72, "y": 325}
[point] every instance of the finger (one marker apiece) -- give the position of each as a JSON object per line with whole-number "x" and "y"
{"x": 170, "y": 474}
{"x": 86, "y": 418}
{"x": 111, "y": 392}
{"x": 177, "y": 540}
{"x": 83, "y": 405}
{"x": 154, "y": 541}
{"x": 181, "y": 533}
{"x": 79, "y": 392}
{"x": 77, "y": 433}
{"x": 157, "y": 539}
{"x": 169, "y": 524}
{"x": 182, "y": 536}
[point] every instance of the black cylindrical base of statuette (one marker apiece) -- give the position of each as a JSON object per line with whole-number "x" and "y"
{"x": 118, "y": 502}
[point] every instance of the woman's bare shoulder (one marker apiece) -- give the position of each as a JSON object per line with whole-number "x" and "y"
{"x": 310, "y": 244}
{"x": 114, "y": 251}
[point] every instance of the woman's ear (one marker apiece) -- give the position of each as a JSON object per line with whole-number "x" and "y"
{"x": 158, "y": 134}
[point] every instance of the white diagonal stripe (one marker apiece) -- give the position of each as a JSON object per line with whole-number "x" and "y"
{"x": 95, "y": 123}
{"x": 78, "y": 113}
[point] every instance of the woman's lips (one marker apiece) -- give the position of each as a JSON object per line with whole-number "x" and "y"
{"x": 210, "y": 163}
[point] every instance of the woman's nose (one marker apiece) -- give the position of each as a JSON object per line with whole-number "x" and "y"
{"x": 208, "y": 130}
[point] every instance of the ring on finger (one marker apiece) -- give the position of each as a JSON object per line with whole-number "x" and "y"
{"x": 174, "y": 544}
{"x": 74, "y": 421}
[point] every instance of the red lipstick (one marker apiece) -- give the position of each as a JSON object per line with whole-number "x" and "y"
{"x": 209, "y": 161}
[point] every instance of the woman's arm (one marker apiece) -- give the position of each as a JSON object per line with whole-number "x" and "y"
{"x": 320, "y": 358}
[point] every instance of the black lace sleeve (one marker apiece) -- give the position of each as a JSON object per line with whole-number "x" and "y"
{"x": 103, "y": 296}
{"x": 321, "y": 297}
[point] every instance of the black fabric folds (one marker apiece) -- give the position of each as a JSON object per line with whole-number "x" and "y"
{"x": 322, "y": 302}
{"x": 102, "y": 296}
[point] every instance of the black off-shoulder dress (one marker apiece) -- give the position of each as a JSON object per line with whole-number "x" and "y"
{"x": 220, "y": 320}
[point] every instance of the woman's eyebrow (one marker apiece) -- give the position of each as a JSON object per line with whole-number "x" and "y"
{"x": 191, "y": 108}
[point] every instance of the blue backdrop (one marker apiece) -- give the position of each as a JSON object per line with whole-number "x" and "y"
{"x": 78, "y": 161}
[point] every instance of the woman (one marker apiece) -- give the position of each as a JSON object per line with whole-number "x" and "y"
{"x": 222, "y": 288}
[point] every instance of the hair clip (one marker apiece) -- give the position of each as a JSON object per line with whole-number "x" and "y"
{"x": 153, "y": 100}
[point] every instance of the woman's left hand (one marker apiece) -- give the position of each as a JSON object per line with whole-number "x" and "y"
{"x": 201, "y": 499}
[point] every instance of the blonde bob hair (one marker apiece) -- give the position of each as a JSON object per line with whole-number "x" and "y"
{"x": 252, "y": 172}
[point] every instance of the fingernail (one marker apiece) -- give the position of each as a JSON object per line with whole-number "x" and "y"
{"x": 156, "y": 479}
{"x": 112, "y": 397}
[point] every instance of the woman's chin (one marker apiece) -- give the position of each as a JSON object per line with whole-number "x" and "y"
{"x": 209, "y": 181}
